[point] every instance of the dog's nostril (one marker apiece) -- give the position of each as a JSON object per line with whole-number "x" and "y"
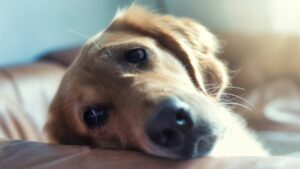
{"x": 205, "y": 144}
{"x": 181, "y": 117}
{"x": 202, "y": 144}
{"x": 167, "y": 138}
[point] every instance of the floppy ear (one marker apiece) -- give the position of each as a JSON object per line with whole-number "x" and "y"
{"x": 190, "y": 42}
{"x": 206, "y": 46}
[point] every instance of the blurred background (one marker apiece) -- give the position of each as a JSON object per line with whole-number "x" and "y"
{"x": 261, "y": 46}
{"x": 30, "y": 28}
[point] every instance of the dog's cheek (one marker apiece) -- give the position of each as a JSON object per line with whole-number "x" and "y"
{"x": 65, "y": 132}
{"x": 63, "y": 126}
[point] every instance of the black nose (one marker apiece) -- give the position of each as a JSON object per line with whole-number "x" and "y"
{"x": 173, "y": 128}
{"x": 169, "y": 123}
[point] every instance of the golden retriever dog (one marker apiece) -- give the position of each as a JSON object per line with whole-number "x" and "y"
{"x": 145, "y": 83}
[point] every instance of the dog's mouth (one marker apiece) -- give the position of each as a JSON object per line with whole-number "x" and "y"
{"x": 190, "y": 148}
{"x": 174, "y": 133}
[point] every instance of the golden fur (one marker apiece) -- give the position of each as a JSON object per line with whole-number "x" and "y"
{"x": 183, "y": 63}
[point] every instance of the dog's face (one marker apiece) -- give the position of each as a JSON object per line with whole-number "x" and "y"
{"x": 144, "y": 84}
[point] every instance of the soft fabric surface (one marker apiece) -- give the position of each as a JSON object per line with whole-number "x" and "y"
{"x": 21, "y": 154}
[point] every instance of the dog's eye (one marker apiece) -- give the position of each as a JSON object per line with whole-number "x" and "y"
{"x": 95, "y": 117}
{"x": 136, "y": 55}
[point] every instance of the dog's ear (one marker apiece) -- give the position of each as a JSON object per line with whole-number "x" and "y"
{"x": 190, "y": 42}
{"x": 204, "y": 46}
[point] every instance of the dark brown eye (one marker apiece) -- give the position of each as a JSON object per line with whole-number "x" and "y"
{"x": 136, "y": 56}
{"x": 95, "y": 117}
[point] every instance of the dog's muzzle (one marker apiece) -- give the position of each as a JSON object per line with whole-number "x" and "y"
{"x": 175, "y": 131}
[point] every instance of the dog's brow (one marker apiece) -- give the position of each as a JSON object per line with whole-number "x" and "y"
{"x": 125, "y": 45}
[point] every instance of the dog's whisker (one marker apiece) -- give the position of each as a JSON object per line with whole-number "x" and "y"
{"x": 86, "y": 37}
{"x": 235, "y": 73}
{"x": 231, "y": 102}
{"x": 229, "y": 87}
{"x": 215, "y": 87}
{"x": 234, "y": 87}
{"x": 241, "y": 98}
{"x": 226, "y": 100}
{"x": 214, "y": 90}
{"x": 237, "y": 104}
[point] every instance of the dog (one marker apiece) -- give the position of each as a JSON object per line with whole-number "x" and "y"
{"x": 145, "y": 84}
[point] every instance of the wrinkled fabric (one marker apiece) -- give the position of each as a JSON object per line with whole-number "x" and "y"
{"x": 25, "y": 95}
{"x": 21, "y": 154}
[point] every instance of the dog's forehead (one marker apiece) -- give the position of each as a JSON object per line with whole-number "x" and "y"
{"x": 169, "y": 32}
{"x": 117, "y": 38}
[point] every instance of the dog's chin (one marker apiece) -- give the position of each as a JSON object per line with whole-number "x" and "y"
{"x": 187, "y": 153}
{"x": 178, "y": 156}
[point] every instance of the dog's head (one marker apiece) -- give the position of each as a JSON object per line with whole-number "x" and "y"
{"x": 148, "y": 82}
